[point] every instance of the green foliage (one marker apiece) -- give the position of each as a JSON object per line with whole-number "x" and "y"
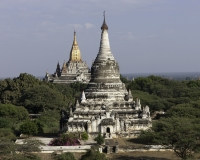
{"x": 12, "y": 111}
{"x": 29, "y": 128}
{"x": 49, "y": 121}
{"x": 77, "y": 86}
{"x": 65, "y": 156}
{"x": 30, "y": 145}
{"x": 8, "y": 150}
{"x": 12, "y": 89}
{"x": 8, "y": 110}
{"x": 36, "y": 95}
{"x": 20, "y": 156}
{"x": 193, "y": 83}
{"x": 10, "y": 117}
{"x": 185, "y": 110}
{"x": 180, "y": 134}
{"x": 6, "y": 122}
{"x": 42, "y": 98}
{"x": 84, "y": 136}
{"x": 180, "y": 131}
{"x": 40, "y": 126}
{"x": 161, "y": 94}
{"x": 6, "y": 134}
{"x": 93, "y": 155}
{"x": 28, "y": 156}
{"x": 123, "y": 79}
{"x": 99, "y": 139}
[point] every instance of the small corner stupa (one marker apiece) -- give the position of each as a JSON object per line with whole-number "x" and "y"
{"x": 72, "y": 71}
{"x": 106, "y": 106}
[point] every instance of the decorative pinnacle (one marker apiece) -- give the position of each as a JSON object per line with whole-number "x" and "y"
{"x": 104, "y": 25}
{"x": 74, "y": 42}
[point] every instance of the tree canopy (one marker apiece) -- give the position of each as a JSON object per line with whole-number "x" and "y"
{"x": 8, "y": 150}
{"x": 65, "y": 156}
{"x": 42, "y": 98}
{"x": 93, "y": 155}
{"x": 179, "y": 130}
{"x": 99, "y": 139}
{"x": 161, "y": 93}
{"x": 29, "y": 128}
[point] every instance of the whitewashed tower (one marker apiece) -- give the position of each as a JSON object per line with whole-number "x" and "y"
{"x": 106, "y": 106}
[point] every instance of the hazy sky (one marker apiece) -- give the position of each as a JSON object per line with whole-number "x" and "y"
{"x": 145, "y": 35}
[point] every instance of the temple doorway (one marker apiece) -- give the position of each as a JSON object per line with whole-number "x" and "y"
{"x": 107, "y": 130}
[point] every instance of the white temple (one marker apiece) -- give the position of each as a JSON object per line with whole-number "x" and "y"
{"x": 106, "y": 106}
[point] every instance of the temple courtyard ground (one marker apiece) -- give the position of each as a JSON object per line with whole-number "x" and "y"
{"x": 123, "y": 142}
{"x": 149, "y": 155}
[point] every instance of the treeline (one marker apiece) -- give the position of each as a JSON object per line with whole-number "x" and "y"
{"x": 37, "y": 96}
{"x": 26, "y": 95}
{"x": 161, "y": 94}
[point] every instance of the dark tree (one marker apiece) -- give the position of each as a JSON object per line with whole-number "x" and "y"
{"x": 65, "y": 156}
{"x": 29, "y": 128}
{"x": 99, "y": 139}
{"x": 93, "y": 155}
{"x": 42, "y": 98}
{"x": 84, "y": 136}
{"x": 180, "y": 130}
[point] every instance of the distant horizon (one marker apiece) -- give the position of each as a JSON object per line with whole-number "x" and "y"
{"x": 142, "y": 73}
{"x": 162, "y": 72}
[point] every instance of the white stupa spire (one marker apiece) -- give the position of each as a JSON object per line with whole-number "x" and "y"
{"x": 104, "y": 49}
{"x": 83, "y": 99}
{"x": 77, "y": 103}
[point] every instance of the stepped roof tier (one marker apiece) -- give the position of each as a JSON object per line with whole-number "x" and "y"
{"x": 106, "y": 106}
{"x": 72, "y": 71}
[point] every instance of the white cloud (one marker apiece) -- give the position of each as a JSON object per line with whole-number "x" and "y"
{"x": 89, "y": 25}
{"x": 77, "y": 26}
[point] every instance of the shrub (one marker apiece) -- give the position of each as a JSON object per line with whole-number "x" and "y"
{"x": 99, "y": 139}
{"x": 65, "y": 156}
{"x": 65, "y": 140}
{"x": 84, "y": 136}
{"x": 93, "y": 155}
{"x": 7, "y": 134}
{"x": 29, "y": 128}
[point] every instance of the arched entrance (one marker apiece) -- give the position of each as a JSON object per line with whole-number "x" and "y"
{"x": 108, "y": 130}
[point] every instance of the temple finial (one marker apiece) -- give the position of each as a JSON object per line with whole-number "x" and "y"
{"x": 104, "y": 25}
{"x": 75, "y": 42}
{"x": 74, "y": 32}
